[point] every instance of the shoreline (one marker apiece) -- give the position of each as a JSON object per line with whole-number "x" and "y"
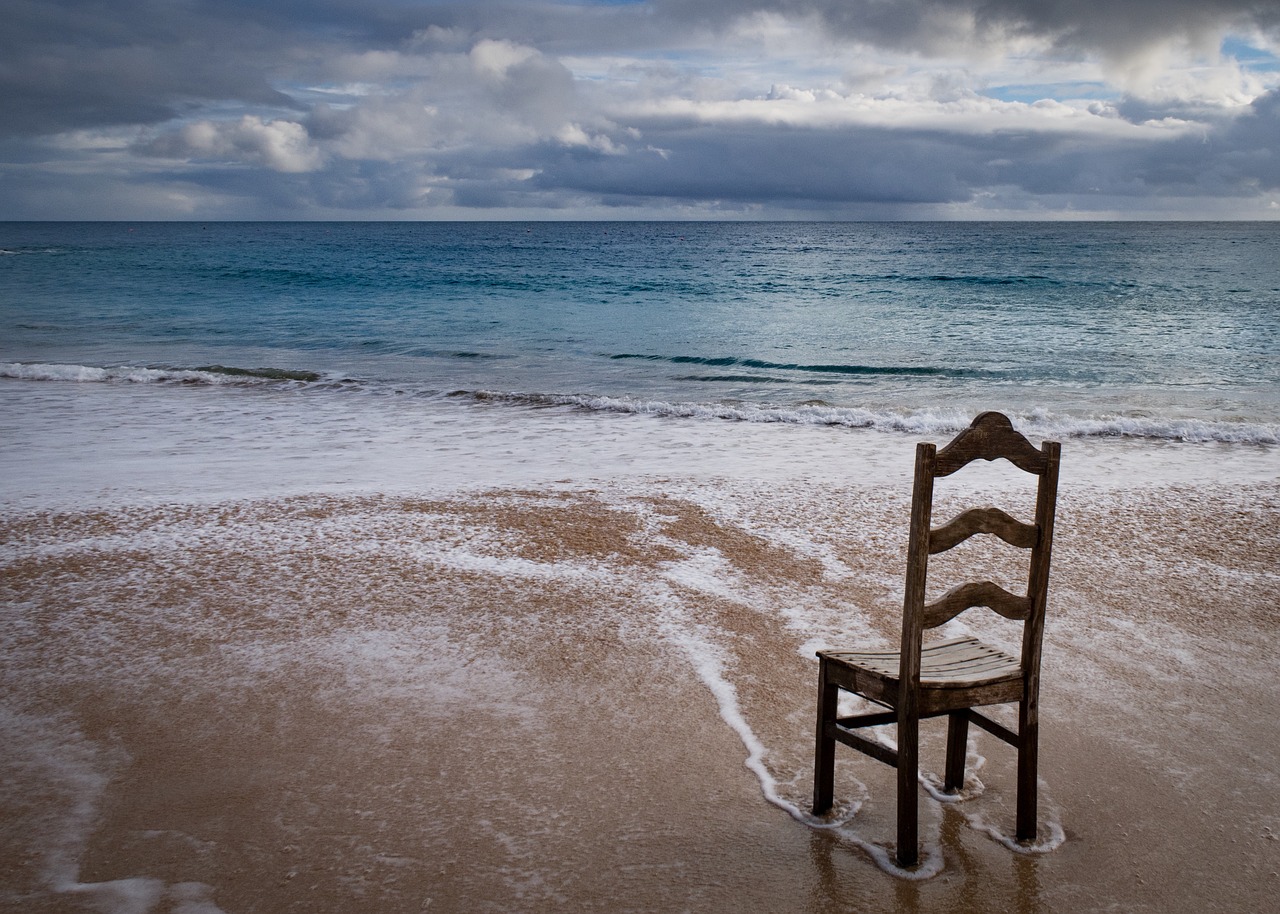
{"x": 89, "y": 446}
{"x": 524, "y": 698}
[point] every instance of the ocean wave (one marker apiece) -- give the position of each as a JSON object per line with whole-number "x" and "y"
{"x": 739, "y": 379}
{"x": 984, "y": 280}
{"x": 1184, "y": 429}
{"x": 207, "y": 374}
{"x": 1037, "y": 280}
{"x": 1037, "y": 423}
{"x": 831, "y": 369}
{"x": 804, "y": 414}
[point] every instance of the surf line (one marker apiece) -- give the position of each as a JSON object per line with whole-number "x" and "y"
{"x": 678, "y": 629}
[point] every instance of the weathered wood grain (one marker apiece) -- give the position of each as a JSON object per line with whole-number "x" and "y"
{"x": 990, "y": 437}
{"x": 975, "y": 593}
{"x": 982, "y": 520}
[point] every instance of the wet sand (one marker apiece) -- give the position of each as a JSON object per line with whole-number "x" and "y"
{"x": 574, "y": 698}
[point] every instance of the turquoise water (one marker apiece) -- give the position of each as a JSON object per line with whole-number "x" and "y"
{"x": 1169, "y": 331}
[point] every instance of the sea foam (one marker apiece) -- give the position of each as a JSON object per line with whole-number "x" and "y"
{"x": 1037, "y": 422}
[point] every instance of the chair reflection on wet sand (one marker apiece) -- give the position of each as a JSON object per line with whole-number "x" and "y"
{"x": 952, "y": 677}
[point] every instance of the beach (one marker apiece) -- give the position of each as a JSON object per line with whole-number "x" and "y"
{"x": 482, "y": 567}
{"x": 597, "y": 693}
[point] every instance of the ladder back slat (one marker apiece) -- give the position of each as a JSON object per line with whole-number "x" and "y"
{"x": 982, "y": 520}
{"x": 990, "y": 437}
{"x": 976, "y": 593}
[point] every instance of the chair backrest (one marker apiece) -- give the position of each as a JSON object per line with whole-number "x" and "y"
{"x": 991, "y": 436}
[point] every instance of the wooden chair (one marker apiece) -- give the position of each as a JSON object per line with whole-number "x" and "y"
{"x": 956, "y": 676}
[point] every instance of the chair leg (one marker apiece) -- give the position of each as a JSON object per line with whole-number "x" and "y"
{"x": 824, "y": 755}
{"x": 908, "y": 790}
{"x": 1028, "y": 776}
{"x": 957, "y": 746}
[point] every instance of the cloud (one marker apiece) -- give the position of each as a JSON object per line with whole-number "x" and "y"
{"x": 534, "y": 88}
{"x": 68, "y": 65}
{"x": 838, "y": 108}
{"x": 279, "y": 145}
{"x": 1115, "y": 28}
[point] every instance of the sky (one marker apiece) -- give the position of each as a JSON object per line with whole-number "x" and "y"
{"x": 650, "y": 109}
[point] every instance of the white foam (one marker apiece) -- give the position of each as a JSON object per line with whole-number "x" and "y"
{"x": 1039, "y": 423}
{"x": 1036, "y": 422}
{"x": 972, "y": 788}
{"x": 128, "y": 374}
{"x": 192, "y": 898}
{"x": 1050, "y": 837}
{"x": 135, "y": 895}
{"x": 48, "y": 756}
{"x": 108, "y": 444}
{"x": 707, "y": 660}
{"x": 89, "y": 374}
{"x": 708, "y": 663}
{"x": 40, "y": 372}
{"x": 142, "y": 894}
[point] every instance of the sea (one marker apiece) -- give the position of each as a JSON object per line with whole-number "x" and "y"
{"x": 154, "y": 361}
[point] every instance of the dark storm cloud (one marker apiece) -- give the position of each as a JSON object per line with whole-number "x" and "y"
{"x": 66, "y": 64}
{"x": 760, "y": 164}
{"x": 79, "y": 64}
{"x": 851, "y": 165}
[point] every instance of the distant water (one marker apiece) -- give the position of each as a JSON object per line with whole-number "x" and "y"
{"x": 1136, "y": 330}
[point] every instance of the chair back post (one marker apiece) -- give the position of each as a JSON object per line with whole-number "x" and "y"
{"x": 1038, "y": 576}
{"x": 908, "y": 698}
{"x": 917, "y": 572}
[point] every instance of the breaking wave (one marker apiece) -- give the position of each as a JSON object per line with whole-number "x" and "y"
{"x": 829, "y": 369}
{"x": 1037, "y": 422}
{"x": 205, "y": 374}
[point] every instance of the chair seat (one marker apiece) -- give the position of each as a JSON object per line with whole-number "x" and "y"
{"x": 959, "y": 664}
